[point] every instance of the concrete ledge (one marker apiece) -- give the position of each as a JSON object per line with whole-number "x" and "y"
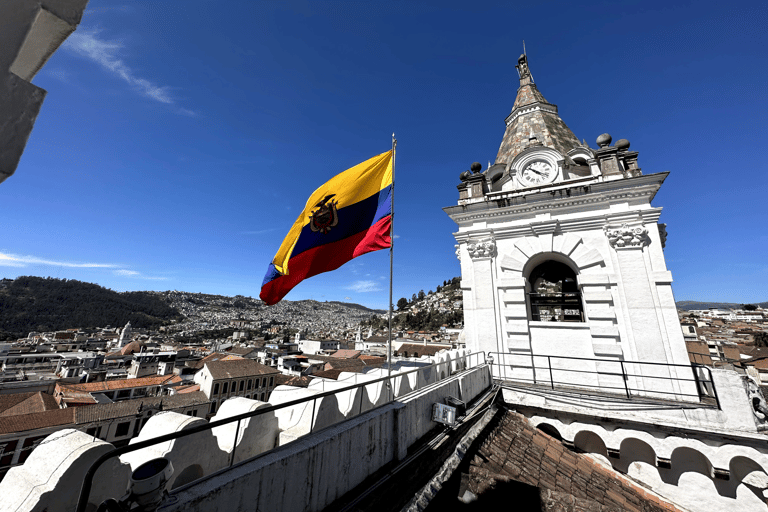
{"x": 607, "y": 349}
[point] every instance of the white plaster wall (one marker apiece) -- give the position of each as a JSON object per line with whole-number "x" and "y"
{"x": 299, "y": 420}
{"x": 51, "y": 478}
{"x": 256, "y": 435}
{"x": 200, "y": 449}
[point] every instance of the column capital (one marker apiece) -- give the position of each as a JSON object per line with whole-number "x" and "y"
{"x": 481, "y": 249}
{"x": 626, "y": 236}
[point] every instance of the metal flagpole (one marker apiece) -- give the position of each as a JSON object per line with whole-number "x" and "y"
{"x": 391, "y": 254}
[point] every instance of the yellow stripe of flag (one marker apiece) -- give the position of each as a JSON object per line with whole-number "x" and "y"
{"x": 351, "y": 186}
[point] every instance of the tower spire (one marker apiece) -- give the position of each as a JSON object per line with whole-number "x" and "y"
{"x": 533, "y": 120}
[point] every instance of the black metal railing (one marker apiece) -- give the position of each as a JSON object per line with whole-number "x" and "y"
{"x": 435, "y": 368}
{"x": 556, "y": 307}
{"x": 575, "y": 372}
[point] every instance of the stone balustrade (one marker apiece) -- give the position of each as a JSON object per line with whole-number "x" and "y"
{"x": 51, "y": 478}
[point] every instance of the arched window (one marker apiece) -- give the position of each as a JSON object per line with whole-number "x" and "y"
{"x": 554, "y": 295}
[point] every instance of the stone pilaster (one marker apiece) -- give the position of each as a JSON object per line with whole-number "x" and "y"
{"x": 482, "y": 253}
{"x": 636, "y": 285}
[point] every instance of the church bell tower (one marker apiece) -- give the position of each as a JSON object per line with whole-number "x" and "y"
{"x": 561, "y": 250}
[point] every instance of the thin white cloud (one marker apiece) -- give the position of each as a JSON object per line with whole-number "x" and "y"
{"x": 124, "y": 272}
{"x": 259, "y": 232}
{"x": 59, "y": 74}
{"x": 136, "y": 274}
{"x": 364, "y": 287}
{"x": 20, "y": 261}
{"x": 187, "y": 112}
{"x": 86, "y": 43}
{"x": 16, "y": 260}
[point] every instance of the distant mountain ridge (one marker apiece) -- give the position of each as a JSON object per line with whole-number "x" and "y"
{"x": 357, "y": 306}
{"x": 688, "y": 305}
{"x": 30, "y": 303}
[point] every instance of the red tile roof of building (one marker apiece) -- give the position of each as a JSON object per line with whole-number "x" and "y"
{"x": 188, "y": 389}
{"x": 36, "y": 420}
{"x": 115, "y": 385}
{"x": 292, "y": 380}
{"x": 328, "y": 374}
{"x": 346, "y": 354}
{"x": 237, "y": 369}
{"x": 214, "y": 356}
{"x": 518, "y": 451}
{"x": 26, "y": 403}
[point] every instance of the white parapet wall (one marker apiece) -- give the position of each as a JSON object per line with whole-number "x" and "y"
{"x": 50, "y": 478}
{"x": 339, "y": 441}
{"x": 702, "y": 458}
{"x": 735, "y": 414}
{"x": 320, "y": 468}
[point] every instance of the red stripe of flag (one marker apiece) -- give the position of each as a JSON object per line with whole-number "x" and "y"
{"x": 325, "y": 258}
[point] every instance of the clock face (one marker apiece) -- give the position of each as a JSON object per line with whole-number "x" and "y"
{"x": 538, "y": 173}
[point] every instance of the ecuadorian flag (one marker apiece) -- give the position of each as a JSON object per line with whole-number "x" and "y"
{"x": 349, "y": 215}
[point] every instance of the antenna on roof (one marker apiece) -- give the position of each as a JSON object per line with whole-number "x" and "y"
{"x": 524, "y": 48}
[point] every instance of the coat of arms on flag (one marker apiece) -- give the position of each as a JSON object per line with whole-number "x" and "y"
{"x": 326, "y": 216}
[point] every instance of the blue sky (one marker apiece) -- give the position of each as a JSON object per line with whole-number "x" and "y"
{"x": 179, "y": 140}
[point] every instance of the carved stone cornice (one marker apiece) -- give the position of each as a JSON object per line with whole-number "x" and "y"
{"x": 586, "y": 194}
{"x": 485, "y": 248}
{"x": 626, "y": 236}
{"x": 648, "y": 216}
{"x": 458, "y": 251}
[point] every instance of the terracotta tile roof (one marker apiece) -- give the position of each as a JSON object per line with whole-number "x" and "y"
{"x": 12, "y": 400}
{"x": 516, "y": 450}
{"x": 31, "y": 402}
{"x": 36, "y": 420}
{"x": 242, "y": 351}
{"x": 292, "y": 380}
{"x": 100, "y": 412}
{"x": 215, "y": 356}
{"x": 346, "y": 354}
{"x": 114, "y": 385}
{"x": 239, "y": 368}
{"x": 417, "y": 350}
{"x": 369, "y": 359}
{"x": 328, "y": 374}
{"x": 188, "y": 389}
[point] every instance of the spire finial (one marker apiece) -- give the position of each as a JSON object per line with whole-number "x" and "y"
{"x": 523, "y": 69}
